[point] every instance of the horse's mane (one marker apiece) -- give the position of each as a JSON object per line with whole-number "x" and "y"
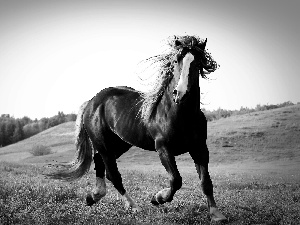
{"x": 164, "y": 65}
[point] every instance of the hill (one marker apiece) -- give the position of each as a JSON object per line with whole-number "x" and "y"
{"x": 254, "y": 166}
{"x": 262, "y": 136}
{"x": 254, "y": 141}
{"x": 59, "y": 138}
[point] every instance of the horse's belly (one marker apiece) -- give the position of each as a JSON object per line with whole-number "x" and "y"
{"x": 135, "y": 133}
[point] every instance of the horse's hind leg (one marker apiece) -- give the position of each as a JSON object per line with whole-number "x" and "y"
{"x": 99, "y": 190}
{"x": 114, "y": 148}
{"x": 113, "y": 174}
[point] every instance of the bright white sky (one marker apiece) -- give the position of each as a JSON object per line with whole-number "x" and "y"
{"x": 54, "y": 55}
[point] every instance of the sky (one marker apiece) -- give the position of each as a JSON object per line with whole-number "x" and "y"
{"x": 55, "y": 55}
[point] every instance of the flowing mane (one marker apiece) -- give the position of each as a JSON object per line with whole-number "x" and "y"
{"x": 164, "y": 65}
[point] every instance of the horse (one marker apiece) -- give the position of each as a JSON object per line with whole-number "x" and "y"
{"x": 166, "y": 119}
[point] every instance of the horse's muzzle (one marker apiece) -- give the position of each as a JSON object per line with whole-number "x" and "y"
{"x": 179, "y": 97}
{"x": 176, "y": 97}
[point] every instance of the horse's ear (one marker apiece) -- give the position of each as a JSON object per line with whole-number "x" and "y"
{"x": 204, "y": 44}
{"x": 177, "y": 43}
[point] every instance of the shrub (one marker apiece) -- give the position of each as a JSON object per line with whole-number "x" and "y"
{"x": 40, "y": 150}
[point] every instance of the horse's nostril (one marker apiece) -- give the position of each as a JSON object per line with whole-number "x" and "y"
{"x": 175, "y": 96}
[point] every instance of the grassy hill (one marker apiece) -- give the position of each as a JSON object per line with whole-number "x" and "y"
{"x": 59, "y": 138}
{"x": 262, "y": 137}
{"x": 254, "y": 167}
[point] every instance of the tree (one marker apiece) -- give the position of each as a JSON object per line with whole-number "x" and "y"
{"x": 5, "y": 116}
{"x": 53, "y": 121}
{"x": 71, "y": 117}
{"x": 43, "y": 124}
{"x": 25, "y": 120}
{"x": 61, "y": 117}
{"x": 18, "y": 134}
{"x": 9, "y": 130}
{"x": 2, "y": 134}
{"x": 31, "y": 129}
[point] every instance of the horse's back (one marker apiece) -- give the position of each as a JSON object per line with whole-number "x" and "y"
{"x": 115, "y": 111}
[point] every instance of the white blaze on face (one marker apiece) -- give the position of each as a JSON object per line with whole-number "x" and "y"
{"x": 182, "y": 85}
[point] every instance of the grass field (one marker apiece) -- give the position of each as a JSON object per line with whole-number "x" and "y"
{"x": 255, "y": 168}
{"x": 28, "y": 198}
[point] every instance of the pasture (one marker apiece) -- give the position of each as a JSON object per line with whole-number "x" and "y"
{"x": 254, "y": 167}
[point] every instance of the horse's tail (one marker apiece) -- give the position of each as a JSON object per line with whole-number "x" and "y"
{"x": 82, "y": 162}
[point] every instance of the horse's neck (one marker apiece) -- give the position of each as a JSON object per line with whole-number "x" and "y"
{"x": 191, "y": 104}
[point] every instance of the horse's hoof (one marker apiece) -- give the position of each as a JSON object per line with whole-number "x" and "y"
{"x": 135, "y": 209}
{"x": 89, "y": 200}
{"x": 216, "y": 215}
{"x": 153, "y": 201}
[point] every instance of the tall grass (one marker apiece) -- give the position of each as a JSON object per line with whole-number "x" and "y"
{"x": 38, "y": 150}
{"x": 26, "y": 197}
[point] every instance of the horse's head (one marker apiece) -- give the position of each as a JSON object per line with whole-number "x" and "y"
{"x": 190, "y": 61}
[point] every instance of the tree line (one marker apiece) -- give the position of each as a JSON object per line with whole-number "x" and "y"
{"x": 223, "y": 113}
{"x": 13, "y": 130}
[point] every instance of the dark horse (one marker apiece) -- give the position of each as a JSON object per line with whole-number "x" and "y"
{"x": 167, "y": 119}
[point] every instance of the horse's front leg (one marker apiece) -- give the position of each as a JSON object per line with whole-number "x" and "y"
{"x": 168, "y": 161}
{"x": 201, "y": 158}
